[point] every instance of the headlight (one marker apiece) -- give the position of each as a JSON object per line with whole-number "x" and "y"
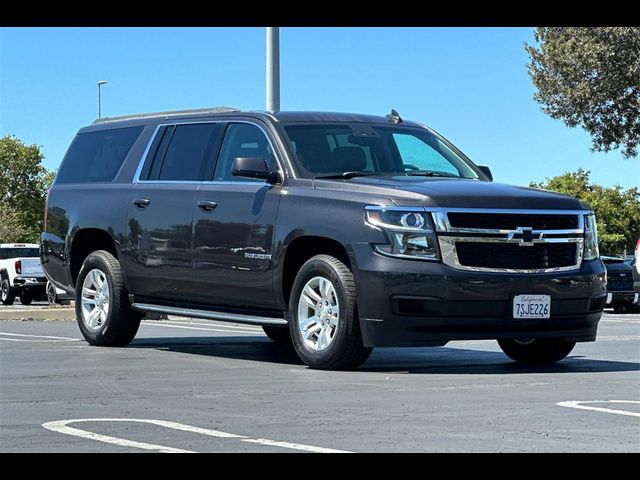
{"x": 411, "y": 233}
{"x": 591, "y": 250}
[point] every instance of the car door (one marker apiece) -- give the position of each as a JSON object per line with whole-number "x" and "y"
{"x": 160, "y": 215}
{"x": 234, "y": 226}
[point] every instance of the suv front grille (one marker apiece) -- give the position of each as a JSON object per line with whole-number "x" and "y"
{"x": 513, "y": 256}
{"x": 511, "y": 221}
{"x": 527, "y": 241}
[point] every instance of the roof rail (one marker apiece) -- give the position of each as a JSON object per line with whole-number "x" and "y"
{"x": 196, "y": 111}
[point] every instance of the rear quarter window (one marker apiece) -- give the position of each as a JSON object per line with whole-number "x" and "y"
{"x": 97, "y": 156}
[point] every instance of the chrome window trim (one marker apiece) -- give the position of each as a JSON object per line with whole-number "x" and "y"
{"x": 145, "y": 154}
{"x": 447, "y": 235}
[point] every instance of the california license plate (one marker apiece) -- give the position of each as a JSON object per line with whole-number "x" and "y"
{"x": 532, "y": 306}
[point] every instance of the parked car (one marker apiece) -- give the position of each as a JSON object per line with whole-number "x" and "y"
{"x": 336, "y": 232}
{"x": 21, "y": 273}
{"x": 620, "y": 292}
{"x": 57, "y": 296}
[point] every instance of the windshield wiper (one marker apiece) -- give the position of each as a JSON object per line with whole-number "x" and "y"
{"x": 430, "y": 173}
{"x": 344, "y": 175}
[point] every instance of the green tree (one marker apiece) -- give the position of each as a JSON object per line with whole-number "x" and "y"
{"x": 11, "y": 227}
{"x": 590, "y": 76}
{"x": 617, "y": 210}
{"x": 23, "y": 183}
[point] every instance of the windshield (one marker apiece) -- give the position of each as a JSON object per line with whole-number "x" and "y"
{"x": 325, "y": 150}
{"x": 23, "y": 252}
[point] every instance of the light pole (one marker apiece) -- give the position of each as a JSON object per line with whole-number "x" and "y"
{"x": 100, "y": 83}
{"x": 273, "y": 69}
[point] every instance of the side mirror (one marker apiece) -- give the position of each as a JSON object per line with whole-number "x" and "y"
{"x": 486, "y": 171}
{"x": 253, "y": 167}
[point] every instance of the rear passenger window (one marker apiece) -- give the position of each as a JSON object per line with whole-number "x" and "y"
{"x": 97, "y": 156}
{"x": 188, "y": 153}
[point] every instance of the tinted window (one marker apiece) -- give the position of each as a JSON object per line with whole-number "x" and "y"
{"x": 97, "y": 156}
{"x": 374, "y": 149}
{"x": 419, "y": 155}
{"x": 189, "y": 152}
{"x": 24, "y": 252}
{"x": 242, "y": 140}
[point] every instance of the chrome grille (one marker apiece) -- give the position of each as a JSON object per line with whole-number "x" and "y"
{"x": 524, "y": 241}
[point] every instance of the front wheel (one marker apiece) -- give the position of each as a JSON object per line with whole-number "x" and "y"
{"x": 8, "y": 293}
{"x": 536, "y": 350}
{"x": 103, "y": 312}
{"x": 323, "y": 319}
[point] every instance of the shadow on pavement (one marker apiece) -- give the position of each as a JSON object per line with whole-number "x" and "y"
{"x": 428, "y": 360}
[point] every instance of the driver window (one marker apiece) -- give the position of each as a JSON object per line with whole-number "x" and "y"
{"x": 418, "y": 155}
{"x": 242, "y": 140}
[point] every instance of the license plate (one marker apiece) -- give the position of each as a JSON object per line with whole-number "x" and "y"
{"x": 532, "y": 306}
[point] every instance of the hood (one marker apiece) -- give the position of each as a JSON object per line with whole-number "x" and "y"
{"x": 454, "y": 193}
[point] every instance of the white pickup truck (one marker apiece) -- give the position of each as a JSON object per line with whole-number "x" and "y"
{"x": 21, "y": 273}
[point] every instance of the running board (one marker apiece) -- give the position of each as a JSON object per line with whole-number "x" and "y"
{"x": 208, "y": 314}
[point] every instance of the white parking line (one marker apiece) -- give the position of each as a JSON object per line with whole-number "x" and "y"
{"x": 31, "y": 338}
{"x": 620, "y": 320}
{"x": 579, "y": 405}
{"x": 61, "y": 426}
{"x": 618, "y": 338}
{"x": 153, "y": 323}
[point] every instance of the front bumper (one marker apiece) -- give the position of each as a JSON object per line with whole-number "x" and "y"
{"x": 622, "y": 298}
{"x": 417, "y": 303}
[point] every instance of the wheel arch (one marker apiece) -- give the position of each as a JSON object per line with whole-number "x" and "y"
{"x": 84, "y": 242}
{"x": 301, "y": 246}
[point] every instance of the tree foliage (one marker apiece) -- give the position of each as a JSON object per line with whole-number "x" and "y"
{"x": 23, "y": 184}
{"x": 11, "y": 227}
{"x": 617, "y": 210}
{"x": 590, "y": 76}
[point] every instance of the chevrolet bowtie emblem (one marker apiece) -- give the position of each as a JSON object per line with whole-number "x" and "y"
{"x": 525, "y": 235}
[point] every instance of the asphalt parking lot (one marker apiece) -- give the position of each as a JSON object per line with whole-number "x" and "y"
{"x": 201, "y": 386}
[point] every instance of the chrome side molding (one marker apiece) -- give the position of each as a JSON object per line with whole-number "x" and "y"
{"x": 209, "y": 314}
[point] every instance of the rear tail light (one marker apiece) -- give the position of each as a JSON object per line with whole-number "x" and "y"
{"x": 18, "y": 266}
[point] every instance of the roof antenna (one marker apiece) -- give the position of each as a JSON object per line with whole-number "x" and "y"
{"x": 394, "y": 117}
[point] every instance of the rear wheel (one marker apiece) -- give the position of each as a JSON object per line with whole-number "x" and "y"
{"x": 323, "y": 319}
{"x": 26, "y": 298}
{"x": 279, "y": 335}
{"x": 103, "y": 312}
{"x": 8, "y": 294}
{"x": 536, "y": 350}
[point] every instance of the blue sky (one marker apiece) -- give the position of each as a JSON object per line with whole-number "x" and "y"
{"x": 470, "y": 84}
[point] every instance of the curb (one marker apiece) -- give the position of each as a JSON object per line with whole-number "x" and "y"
{"x": 22, "y": 314}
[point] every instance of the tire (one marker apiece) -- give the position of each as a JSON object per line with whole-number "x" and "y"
{"x": 620, "y": 309}
{"x": 279, "y": 335}
{"x": 52, "y": 296}
{"x": 26, "y": 298}
{"x": 536, "y": 350}
{"x": 8, "y": 294}
{"x": 117, "y": 324}
{"x": 340, "y": 348}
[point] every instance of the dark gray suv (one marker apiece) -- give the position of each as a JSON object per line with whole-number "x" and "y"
{"x": 335, "y": 232}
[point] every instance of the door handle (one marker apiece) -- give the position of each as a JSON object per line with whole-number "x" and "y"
{"x": 207, "y": 206}
{"x": 141, "y": 202}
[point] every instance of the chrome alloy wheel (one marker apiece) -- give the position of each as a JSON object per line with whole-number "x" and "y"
{"x": 95, "y": 299}
{"x": 318, "y": 313}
